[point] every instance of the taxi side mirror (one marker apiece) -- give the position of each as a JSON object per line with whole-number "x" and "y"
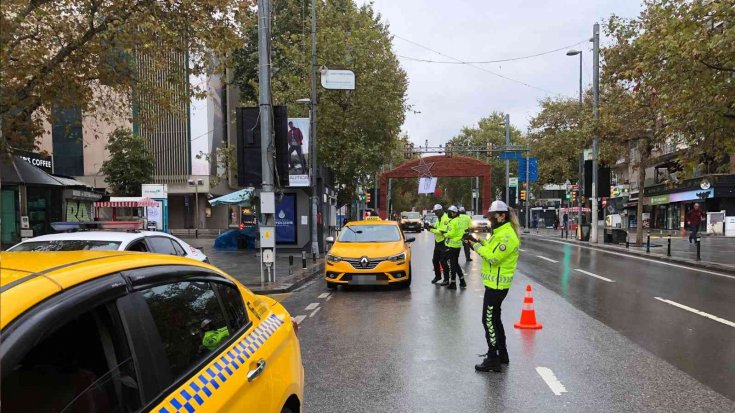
{"x": 410, "y": 239}
{"x": 330, "y": 239}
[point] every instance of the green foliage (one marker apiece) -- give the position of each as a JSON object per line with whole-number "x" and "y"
{"x": 354, "y": 127}
{"x": 130, "y": 164}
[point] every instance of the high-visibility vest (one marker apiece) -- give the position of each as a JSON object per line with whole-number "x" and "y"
{"x": 499, "y": 257}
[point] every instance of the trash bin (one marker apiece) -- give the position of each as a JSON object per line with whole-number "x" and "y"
{"x": 586, "y": 229}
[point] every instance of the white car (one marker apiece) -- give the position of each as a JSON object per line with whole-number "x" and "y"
{"x": 143, "y": 241}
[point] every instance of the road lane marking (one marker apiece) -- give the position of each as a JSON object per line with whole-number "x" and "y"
{"x": 620, "y": 254}
{"x": 551, "y": 380}
{"x": 521, "y": 250}
{"x": 329, "y": 298}
{"x": 595, "y": 275}
{"x": 299, "y": 318}
{"x": 314, "y": 312}
{"x": 312, "y": 306}
{"x": 547, "y": 259}
{"x": 323, "y": 295}
{"x": 304, "y": 286}
{"x": 695, "y": 311}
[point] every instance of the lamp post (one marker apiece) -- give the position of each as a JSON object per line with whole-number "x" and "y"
{"x": 581, "y": 155}
{"x": 312, "y": 168}
{"x": 196, "y": 183}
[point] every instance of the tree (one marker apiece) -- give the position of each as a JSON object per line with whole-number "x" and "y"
{"x": 354, "y": 127}
{"x": 59, "y": 54}
{"x": 130, "y": 164}
{"x": 490, "y": 130}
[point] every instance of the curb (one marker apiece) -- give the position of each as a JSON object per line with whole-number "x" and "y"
{"x": 621, "y": 250}
{"x": 288, "y": 287}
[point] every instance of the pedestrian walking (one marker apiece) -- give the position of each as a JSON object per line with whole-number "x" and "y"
{"x": 455, "y": 233}
{"x": 467, "y": 222}
{"x": 499, "y": 260}
{"x": 438, "y": 259}
{"x": 694, "y": 219}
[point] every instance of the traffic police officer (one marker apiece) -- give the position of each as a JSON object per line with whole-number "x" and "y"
{"x": 467, "y": 221}
{"x": 438, "y": 228}
{"x": 455, "y": 233}
{"x": 499, "y": 259}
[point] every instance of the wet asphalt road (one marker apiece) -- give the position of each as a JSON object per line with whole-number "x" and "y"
{"x": 611, "y": 345}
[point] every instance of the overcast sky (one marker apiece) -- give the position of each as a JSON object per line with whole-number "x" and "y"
{"x": 450, "y": 96}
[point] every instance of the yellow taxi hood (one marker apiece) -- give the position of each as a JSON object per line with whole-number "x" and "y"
{"x": 367, "y": 249}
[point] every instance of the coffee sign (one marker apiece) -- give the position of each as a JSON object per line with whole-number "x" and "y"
{"x": 44, "y": 162}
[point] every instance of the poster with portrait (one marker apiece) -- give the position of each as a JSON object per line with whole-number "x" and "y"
{"x": 298, "y": 152}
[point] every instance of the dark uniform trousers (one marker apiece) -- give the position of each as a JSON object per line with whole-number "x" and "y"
{"x": 494, "y": 331}
{"x": 467, "y": 249}
{"x": 439, "y": 257}
{"x": 453, "y": 254}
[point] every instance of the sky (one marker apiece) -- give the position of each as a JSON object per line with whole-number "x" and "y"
{"x": 446, "y": 97}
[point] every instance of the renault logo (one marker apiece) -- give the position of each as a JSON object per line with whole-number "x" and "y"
{"x": 364, "y": 262}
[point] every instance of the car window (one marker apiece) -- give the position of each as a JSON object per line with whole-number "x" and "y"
{"x": 67, "y": 245}
{"x": 190, "y": 322}
{"x": 138, "y": 246}
{"x": 370, "y": 233}
{"x": 83, "y": 366}
{"x": 232, "y": 302}
{"x": 177, "y": 247}
{"x": 161, "y": 245}
{"x": 478, "y": 217}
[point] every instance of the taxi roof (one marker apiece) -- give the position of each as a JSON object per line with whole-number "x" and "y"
{"x": 371, "y": 222}
{"x": 27, "y": 278}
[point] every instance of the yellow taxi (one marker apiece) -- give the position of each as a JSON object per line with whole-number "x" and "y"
{"x": 103, "y": 331}
{"x": 369, "y": 252}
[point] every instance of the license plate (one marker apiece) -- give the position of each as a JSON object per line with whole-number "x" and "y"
{"x": 364, "y": 279}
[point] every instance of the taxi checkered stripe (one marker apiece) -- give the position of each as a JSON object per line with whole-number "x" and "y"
{"x": 202, "y": 386}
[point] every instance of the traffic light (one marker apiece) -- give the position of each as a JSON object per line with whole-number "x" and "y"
{"x": 574, "y": 196}
{"x": 523, "y": 195}
{"x": 368, "y": 198}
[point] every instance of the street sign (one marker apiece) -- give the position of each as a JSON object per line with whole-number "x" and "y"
{"x": 532, "y": 169}
{"x": 513, "y": 182}
{"x": 511, "y": 155}
{"x": 338, "y": 79}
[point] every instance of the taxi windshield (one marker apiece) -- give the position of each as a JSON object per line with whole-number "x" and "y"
{"x": 478, "y": 217}
{"x": 411, "y": 215}
{"x": 370, "y": 233}
{"x": 67, "y": 245}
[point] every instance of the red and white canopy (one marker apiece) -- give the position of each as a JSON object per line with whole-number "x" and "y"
{"x": 143, "y": 202}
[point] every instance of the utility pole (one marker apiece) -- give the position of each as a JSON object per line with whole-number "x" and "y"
{"x": 507, "y": 162}
{"x": 596, "y": 113}
{"x": 528, "y": 187}
{"x": 312, "y": 138}
{"x": 267, "y": 198}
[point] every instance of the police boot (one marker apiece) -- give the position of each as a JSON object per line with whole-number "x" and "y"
{"x": 462, "y": 284}
{"x": 436, "y": 279}
{"x": 444, "y": 283}
{"x": 490, "y": 363}
{"x": 452, "y": 286}
{"x": 503, "y": 356}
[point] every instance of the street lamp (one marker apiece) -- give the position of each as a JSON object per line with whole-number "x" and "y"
{"x": 312, "y": 162}
{"x": 581, "y": 156}
{"x": 196, "y": 183}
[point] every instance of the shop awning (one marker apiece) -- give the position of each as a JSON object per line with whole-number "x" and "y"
{"x": 17, "y": 171}
{"x": 241, "y": 197}
{"x": 145, "y": 202}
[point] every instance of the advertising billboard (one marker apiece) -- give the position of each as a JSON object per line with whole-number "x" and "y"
{"x": 298, "y": 152}
{"x": 286, "y": 220}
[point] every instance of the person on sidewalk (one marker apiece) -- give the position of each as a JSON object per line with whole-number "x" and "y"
{"x": 467, "y": 222}
{"x": 455, "y": 233}
{"x": 499, "y": 260}
{"x": 438, "y": 228}
{"x": 694, "y": 219}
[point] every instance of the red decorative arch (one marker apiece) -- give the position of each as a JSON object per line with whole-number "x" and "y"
{"x": 443, "y": 166}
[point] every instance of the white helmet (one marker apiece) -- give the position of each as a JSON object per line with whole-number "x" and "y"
{"x": 452, "y": 208}
{"x": 461, "y": 209}
{"x": 437, "y": 207}
{"x": 498, "y": 206}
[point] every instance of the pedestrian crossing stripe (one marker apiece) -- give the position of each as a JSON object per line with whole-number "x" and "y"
{"x": 203, "y": 385}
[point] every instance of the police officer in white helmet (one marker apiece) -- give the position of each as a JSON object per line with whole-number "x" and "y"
{"x": 439, "y": 228}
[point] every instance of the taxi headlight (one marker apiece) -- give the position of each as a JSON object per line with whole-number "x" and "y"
{"x": 398, "y": 258}
{"x": 333, "y": 258}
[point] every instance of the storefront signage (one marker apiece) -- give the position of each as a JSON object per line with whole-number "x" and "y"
{"x": 154, "y": 191}
{"x": 85, "y": 195}
{"x": 44, "y": 162}
{"x": 660, "y": 199}
{"x": 286, "y": 220}
{"x": 692, "y": 195}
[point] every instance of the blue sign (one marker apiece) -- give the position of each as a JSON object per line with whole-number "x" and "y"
{"x": 532, "y": 169}
{"x": 286, "y": 220}
{"x": 511, "y": 155}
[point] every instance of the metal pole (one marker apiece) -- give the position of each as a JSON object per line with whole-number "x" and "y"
{"x": 196, "y": 208}
{"x": 507, "y": 162}
{"x": 581, "y": 159}
{"x": 312, "y": 136}
{"x": 528, "y": 187}
{"x": 596, "y": 112}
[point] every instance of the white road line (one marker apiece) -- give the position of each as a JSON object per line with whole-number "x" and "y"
{"x": 313, "y": 312}
{"x": 551, "y": 380}
{"x": 329, "y": 298}
{"x": 521, "y": 250}
{"x": 595, "y": 275}
{"x": 303, "y": 286}
{"x": 642, "y": 258}
{"x": 323, "y": 295}
{"x": 312, "y": 306}
{"x": 299, "y": 318}
{"x": 695, "y": 311}
{"x": 547, "y": 259}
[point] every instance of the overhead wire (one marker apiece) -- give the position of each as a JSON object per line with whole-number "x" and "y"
{"x": 512, "y": 59}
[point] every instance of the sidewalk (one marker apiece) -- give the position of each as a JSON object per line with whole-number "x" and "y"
{"x": 244, "y": 265}
{"x": 717, "y": 253}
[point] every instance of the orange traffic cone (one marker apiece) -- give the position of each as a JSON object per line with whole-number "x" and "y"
{"x": 528, "y": 314}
